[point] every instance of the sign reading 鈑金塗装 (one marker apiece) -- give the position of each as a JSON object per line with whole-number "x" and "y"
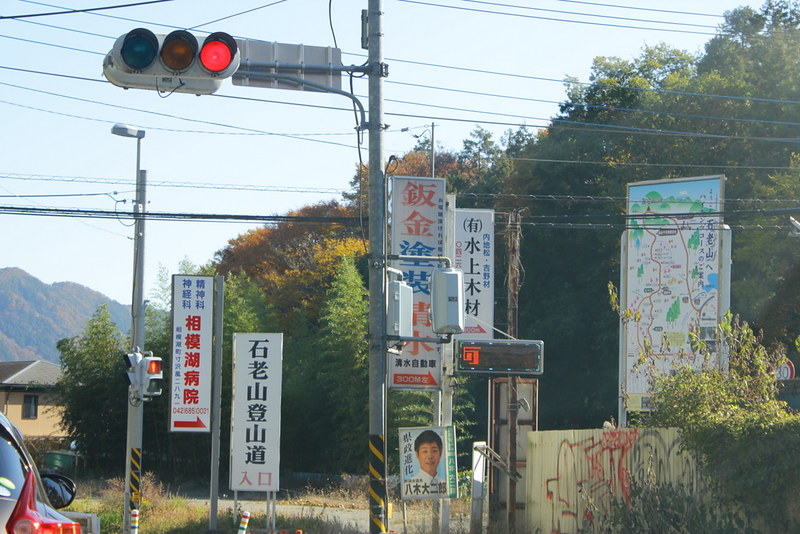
{"x": 417, "y": 229}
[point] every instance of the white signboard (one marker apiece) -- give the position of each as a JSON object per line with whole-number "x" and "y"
{"x": 417, "y": 229}
{"x": 671, "y": 281}
{"x": 474, "y": 255}
{"x": 192, "y": 338}
{"x": 428, "y": 463}
{"x": 256, "y": 414}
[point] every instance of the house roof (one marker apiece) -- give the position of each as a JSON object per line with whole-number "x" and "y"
{"x": 38, "y": 372}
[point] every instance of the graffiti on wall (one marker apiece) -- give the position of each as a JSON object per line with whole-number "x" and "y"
{"x": 573, "y": 474}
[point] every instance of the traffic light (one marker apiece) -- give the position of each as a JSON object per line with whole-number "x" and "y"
{"x": 508, "y": 357}
{"x": 150, "y": 376}
{"x": 132, "y": 365}
{"x": 170, "y": 63}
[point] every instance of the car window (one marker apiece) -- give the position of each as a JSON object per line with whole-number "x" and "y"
{"x": 12, "y": 467}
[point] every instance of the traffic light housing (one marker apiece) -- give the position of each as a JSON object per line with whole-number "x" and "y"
{"x": 175, "y": 62}
{"x": 507, "y": 357}
{"x": 132, "y": 360}
{"x": 151, "y": 377}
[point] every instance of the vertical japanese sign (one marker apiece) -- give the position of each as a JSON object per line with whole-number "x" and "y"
{"x": 256, "y": 416}
{"x": 671, "y": 279}
{"x": 192, "y": 349}
{"x": 417, "y": 219}
{"x": 428, "y": 463}
{"x": 474, "y": 255}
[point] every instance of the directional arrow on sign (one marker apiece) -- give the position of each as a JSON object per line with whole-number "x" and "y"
{"x": 189, "y": 424}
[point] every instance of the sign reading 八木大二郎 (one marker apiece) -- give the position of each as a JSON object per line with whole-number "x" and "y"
{"x": 428, "y": 463}
{"x": 256, "y": 413}
{"x": 192, "y": 338}
{"x": 417, "y": 229}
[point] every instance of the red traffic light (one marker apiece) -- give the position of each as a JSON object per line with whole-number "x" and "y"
{"x": 218, "y": 52}
{"x": 153, "y": 366}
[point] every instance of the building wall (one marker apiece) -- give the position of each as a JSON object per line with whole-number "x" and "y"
{"x": 48, "y": 419}
{"x": 573, "y": 474}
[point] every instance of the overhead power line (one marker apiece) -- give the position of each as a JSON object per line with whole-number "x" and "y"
{"x": 87, "y": 10}
{"x": 570, "y": 21}
{"x": 175, "y": 216}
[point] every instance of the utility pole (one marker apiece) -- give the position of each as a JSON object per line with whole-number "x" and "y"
{"x": 133, "y": 473}
{"x": 378, "y": 495}
{"x": 133, "y": 444}
{"x": 513, "y": 242}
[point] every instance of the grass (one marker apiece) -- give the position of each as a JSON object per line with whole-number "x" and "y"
{"x": 167, "y": 512}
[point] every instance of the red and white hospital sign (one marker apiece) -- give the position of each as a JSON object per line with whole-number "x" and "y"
{"x": 192, "y": 338}
{"x": 417, "y": 229}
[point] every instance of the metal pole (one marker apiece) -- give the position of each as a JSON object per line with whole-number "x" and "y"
{"x": 433, "y": 152}
{"x": 216, "y": 401}
{"x": 133, "y": 455}
{"x": 378, "y": 495}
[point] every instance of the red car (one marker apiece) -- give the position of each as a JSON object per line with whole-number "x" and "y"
{"x": 28, "y": 499}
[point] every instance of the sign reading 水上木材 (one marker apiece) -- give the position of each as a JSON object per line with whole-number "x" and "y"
{"x": 192, "y": 349}
{"x": 417, "y": 229}
{"x": 474, "y": 255}
{"x": 256, "y": 413}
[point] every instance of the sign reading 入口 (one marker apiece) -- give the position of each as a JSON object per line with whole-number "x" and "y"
{"x": 256, "y": 414}
{"x": 192, "y": 338}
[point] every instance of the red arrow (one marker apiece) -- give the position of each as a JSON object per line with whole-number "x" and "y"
{"x": 414, "y": 380}
{"x": 189, "y": 424}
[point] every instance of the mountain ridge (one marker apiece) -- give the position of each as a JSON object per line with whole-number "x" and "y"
{"x": 34, "y": 315}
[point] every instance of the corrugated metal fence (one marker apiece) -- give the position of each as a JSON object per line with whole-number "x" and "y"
{"x": 574, "y": 474}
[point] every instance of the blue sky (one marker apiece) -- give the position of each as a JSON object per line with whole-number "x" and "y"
{"x": 266, "y": 151}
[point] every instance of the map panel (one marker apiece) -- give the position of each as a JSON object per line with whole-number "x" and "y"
{"x": 671, "y": 277}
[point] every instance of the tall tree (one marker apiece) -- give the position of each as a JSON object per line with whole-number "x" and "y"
{"x": 93, "y": 392}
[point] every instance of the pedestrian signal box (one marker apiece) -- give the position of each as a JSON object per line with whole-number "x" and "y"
{"x": 507, "y": 357}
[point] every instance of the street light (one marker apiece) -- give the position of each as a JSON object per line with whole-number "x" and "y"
{"x": 433, "y": 145}
{"x": 133, "y": 452}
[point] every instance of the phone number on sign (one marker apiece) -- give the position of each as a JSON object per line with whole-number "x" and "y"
{"x": 190, "y": 410}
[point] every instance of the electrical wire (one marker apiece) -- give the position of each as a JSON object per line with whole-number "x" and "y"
{"x": 87, "y": 10}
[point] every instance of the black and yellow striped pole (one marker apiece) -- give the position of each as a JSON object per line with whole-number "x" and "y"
{"x": 377, "y": 484}
{"x": 135, "y": 480}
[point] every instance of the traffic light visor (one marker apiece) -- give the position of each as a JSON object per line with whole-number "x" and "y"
{"x": 218, "y": 52}
{"x": 179, "y": 50}
{"x": 139, "y": 48}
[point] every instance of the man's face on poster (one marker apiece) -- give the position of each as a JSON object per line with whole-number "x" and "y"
{"x": 428, "y": 456}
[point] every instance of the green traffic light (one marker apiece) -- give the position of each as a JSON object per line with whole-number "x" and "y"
{"x": 139, "y": 48}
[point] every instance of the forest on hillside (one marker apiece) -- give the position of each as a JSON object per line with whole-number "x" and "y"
{"x": 732, "y": 110}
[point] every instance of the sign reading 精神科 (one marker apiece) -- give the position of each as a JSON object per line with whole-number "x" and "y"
{"x": 673, "y": 278}
{"x": 192, "y": 338}
{"x": 256, "y": 414}
{"x": 417, "y": 229}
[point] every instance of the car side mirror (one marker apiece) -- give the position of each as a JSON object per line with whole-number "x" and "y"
{"x": 60, "y": 489}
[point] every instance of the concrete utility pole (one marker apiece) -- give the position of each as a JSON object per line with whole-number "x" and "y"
{"x": 133, "y": 450}
{"x": 378, "y": 495}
